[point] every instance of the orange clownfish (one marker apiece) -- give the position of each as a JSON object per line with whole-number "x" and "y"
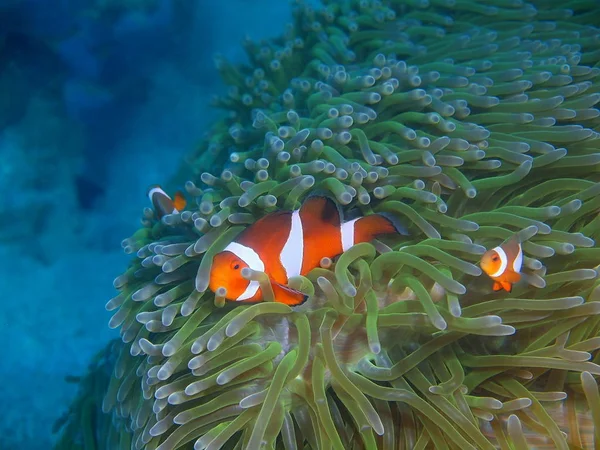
{"x": 163, "y": 204}
{"x": 503, "y": 264}
{"x": 286, "y": 244}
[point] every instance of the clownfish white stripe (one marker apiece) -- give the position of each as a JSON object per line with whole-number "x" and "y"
{"x": 292, "y": 253}
{"x": 251, "y": 258}
{"x": 518, "y": 262}
{"x": 159, "y": 191}
{"x": 156, "y": 190}
{"x": 246, "y": 254}
{"x": 250, "y": 291}
{"x": 347, "y": 232}
{"x": 503, "y": 262}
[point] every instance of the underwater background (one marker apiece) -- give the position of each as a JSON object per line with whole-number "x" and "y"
{"x": 100, "y": 99}
{"x": 472, "y": 121}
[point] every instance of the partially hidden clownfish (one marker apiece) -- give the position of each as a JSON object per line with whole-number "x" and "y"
{"x": 286, "y": 244}
{"x": 163, "y": 204}
{"x": 503, "y": 264}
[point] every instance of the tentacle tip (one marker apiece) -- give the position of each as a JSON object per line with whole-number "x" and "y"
{"x": 375, "y": 348}
{"x": 196, "y": 348}
{"x": 379, "y": 429}
{"x": 230, "y": 330}
{"x": 221, "y": 292}
{"x": 460, "y": 289}
{"x": 169, "y": 349}
{"x": 350, "y": 290}
{"x": 505, "y": 330}
{"x": 440, "y": 324}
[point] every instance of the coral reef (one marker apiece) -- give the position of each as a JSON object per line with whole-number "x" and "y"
{"x": 472, "y": 121}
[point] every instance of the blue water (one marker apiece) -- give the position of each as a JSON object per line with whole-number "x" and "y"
{"x": 105, "y": 98}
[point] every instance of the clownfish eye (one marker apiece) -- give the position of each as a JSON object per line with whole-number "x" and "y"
{"x": 235, "y": 265}
{"x": 495, "y": 258}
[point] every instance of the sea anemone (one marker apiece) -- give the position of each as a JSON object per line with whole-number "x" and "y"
{"x": 471, "y": 121}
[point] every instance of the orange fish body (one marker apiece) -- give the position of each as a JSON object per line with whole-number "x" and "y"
{"x": 503, "y": 264}
{"x": 285, "y": 244}
{"x": 163, "y": 204}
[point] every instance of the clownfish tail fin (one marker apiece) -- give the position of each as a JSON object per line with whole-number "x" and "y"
{"x": 179, "y": 201}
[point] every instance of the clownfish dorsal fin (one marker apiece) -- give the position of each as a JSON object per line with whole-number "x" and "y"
{"x": 512, "y": 242}
{"x": 514, "y": 252}
{"x": 287, "y": 295}
{"x": 322, "y": 209}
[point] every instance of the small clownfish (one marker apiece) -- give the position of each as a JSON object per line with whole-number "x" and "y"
{"x": 503, "y": 264}
{"x": 163, "y": 204}
{"x": 285, "y": 244}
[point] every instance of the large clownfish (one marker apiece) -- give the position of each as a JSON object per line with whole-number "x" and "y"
{"x": 285, "y": 244}
{"x": 163, "y": 204}
{"x": 503, "y": 264}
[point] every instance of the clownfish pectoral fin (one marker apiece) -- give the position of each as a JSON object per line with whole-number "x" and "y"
{"x": 179, "y": 201}
{"x": 512, "y": 241}
{"x": 321, "y": 209}
{"x": 497, "y": 286}
{"x": 289, "y": 296}
{"x": 512, "y": 277}
{"x": 506, "y": 286}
